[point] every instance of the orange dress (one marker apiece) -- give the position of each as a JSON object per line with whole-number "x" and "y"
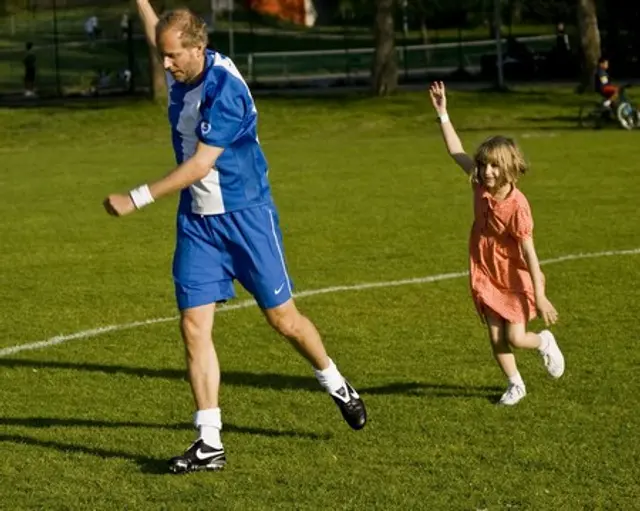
{"x": 499, "y": 276}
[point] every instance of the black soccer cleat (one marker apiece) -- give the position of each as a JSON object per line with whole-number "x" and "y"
{"x": 350, "y": 405}
{"x": 199, "y": 456}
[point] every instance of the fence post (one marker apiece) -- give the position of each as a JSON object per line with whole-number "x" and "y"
{"x": 56, "y": 49}
{"x": 347, "y": 63}
{"x": 131, "y": 56}
{"x": 497, "y": 18}
{"x": 250, "y": 67}
{"x": 460, "y": 56}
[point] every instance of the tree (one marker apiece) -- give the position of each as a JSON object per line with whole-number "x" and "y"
{"x": 385, "y": 59}
{"x": 589, "y": 41}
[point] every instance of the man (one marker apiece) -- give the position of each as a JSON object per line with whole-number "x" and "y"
{"x": 603, "y": 85}
{"x": 563, "y": 46}
{"x": 91, "y": 28}
{"x": 227, "y": 223}
{"x": 124, "y": 25}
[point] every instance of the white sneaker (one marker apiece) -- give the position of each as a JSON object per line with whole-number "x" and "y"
{"x": 552, "y": 356}
{"x": 513, "y": 394}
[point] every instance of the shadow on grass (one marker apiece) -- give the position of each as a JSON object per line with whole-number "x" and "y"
{"x": 52, "y": 422}
{"x": 147, "y": 464}
{"x": 264, "y": 380}
{"x": 436, "y": 390}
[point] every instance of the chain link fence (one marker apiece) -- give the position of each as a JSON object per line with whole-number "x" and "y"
{"x": 96, "y": 46}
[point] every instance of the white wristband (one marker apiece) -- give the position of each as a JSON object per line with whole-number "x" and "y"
{"x": 444, "y": 118}
{"x": 141, "y": 196}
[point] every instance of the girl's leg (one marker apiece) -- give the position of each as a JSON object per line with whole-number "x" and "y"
{"x": 518, "y": 337}
{"x": 506, "y": 360}
{"x": 544, "y": 342}
{"x": 501, "y": 350}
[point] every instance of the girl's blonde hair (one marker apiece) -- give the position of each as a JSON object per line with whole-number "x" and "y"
{"x": 192, "y": 28}
{"x": 501, "y": 152}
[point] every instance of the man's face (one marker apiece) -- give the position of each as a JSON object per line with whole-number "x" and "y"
{"x": 184, "y": 64}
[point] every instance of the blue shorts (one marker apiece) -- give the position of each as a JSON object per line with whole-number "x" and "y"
{"x": 213, "y": 251}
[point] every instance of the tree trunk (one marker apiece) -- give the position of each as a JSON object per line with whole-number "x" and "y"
{"x": 589, "y": 41}
{"x": 385, "y": 60}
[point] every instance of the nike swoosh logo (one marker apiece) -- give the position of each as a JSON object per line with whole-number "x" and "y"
{"x": 205, "y": 455}
{"x": 350, "y": 393}
{"x": 277, "y": 291}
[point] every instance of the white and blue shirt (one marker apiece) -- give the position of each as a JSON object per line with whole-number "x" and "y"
{"x": 218, "y": 110}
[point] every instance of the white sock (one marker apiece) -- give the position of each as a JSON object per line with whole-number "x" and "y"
{"x": 209, "y": 422}
{"x": 330, "y": 378}
{"x": 516, "y": 379}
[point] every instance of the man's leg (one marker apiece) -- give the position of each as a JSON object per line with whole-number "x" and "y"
{"x": 287, "y": 320}
{"x": 206, "y": 453}
{"x": 196, "y": 326}
{"x": 254, "y": 242}
{"x": 200, "y": 282}
{"x": 610, "y": 92}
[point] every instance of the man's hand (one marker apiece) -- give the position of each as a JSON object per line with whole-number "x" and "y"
{"x": 119, "y": 205}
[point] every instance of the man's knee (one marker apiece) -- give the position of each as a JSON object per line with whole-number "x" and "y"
{"x": 285, "y": 319}
{"x": 287, "y": 324}
{"x": 196, "y": 326}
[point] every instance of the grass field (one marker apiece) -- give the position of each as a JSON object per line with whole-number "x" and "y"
{"x": 366, "y": 194}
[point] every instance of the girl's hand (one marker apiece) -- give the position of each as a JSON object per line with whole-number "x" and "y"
{"x": 438, "y": 97}
{"x": 547, "y": 311}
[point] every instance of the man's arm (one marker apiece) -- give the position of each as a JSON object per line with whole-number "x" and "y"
{"x": 186, "y": 174}
{"x": 149, "y": 20}
{"x": 194, "y": 169}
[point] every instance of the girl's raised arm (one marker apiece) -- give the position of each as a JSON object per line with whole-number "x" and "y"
{"x": 452, "y": 141}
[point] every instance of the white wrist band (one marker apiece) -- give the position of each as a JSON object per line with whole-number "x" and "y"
{"x": 444, "y": 118}
{"x": 141, "y": 196}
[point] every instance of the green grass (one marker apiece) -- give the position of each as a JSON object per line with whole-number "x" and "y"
{"x": 366, "y": 194}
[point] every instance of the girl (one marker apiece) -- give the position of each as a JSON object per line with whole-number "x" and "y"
{"x": 507, "y": 284}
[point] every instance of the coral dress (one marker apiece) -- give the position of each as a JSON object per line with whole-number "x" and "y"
{"x": 500, "y": 278}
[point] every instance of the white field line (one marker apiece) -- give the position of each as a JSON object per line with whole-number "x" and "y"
{"x": 85, "y": 334}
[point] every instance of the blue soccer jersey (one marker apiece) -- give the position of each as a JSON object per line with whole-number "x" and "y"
{"x": 218, "y": 110}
